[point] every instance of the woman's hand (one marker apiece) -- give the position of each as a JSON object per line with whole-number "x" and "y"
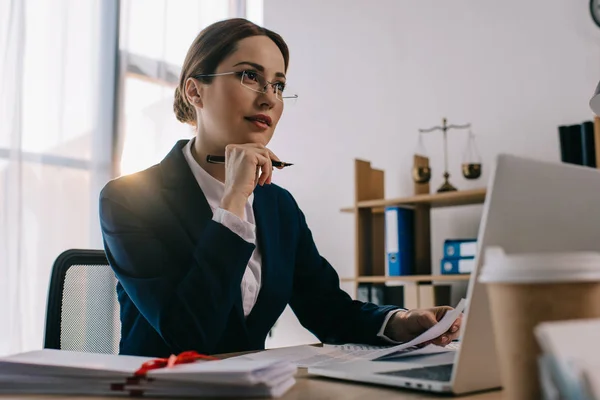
{"x": 246, "y": 165}
{"x": 404, "y": 326}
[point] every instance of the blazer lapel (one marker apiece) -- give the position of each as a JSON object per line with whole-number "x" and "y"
{"x": 188, "y": 203}
{"x": 182, "y": 192}
{"x": 267, "y": 236}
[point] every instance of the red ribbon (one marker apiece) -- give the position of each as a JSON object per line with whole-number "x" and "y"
{"x": 182, "y": 358}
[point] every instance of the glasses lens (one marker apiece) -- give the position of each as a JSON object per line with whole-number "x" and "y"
{"x": 253, "y": 80}
{"x": 258, "y": 83}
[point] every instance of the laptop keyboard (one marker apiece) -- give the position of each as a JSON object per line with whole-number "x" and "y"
{"x": 440, "y": 373}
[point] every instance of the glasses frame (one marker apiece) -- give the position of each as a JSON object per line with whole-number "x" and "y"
{"x": 243, "y": 74}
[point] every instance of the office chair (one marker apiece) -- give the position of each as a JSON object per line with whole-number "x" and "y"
{"x": 83, "y": 311}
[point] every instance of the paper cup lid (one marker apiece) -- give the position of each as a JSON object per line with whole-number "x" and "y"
{"x": 549, "y": 267}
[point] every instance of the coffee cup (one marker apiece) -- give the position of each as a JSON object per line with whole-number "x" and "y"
{"x": 526, "y": 289}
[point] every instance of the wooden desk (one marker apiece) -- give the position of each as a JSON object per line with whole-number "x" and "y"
{"x": 312, "y": 387}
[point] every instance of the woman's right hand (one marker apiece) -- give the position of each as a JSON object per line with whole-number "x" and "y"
{"x": 246, "y": 165}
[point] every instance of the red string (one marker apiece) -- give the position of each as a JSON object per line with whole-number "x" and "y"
{"x": 182, "y": 358}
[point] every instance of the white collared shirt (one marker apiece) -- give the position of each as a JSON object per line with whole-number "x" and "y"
{"x": 213, "y": 190}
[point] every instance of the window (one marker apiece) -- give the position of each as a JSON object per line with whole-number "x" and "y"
{"x": 55, "y": 150}
{"x": 152, "y": 49}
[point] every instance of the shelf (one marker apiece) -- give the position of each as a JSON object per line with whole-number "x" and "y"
{"x": 408, "y": 278}
{"x": 446, "y": 199}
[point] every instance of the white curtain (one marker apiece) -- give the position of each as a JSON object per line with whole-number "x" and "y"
{"x": 58, "y": 145}
{"x": 55, "y": 148}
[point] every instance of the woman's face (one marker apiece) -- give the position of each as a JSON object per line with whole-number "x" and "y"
{"x": 231, "y": 113}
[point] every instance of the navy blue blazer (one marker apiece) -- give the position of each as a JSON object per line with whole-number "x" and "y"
{"x": 179, "y": 272}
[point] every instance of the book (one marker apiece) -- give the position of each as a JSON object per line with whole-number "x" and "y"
{"x": 570, "y": 144}
{"x": 597, "y": 139}
{"x": 588, "y": 150}
{"x": 579, "y": 143}
{"x": 64, "y": 372}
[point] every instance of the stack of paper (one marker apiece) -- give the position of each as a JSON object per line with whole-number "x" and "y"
{"x": 73, "y": 373}
{"x": 569, "y": 367}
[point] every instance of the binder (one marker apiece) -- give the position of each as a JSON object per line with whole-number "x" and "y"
{"x": 450, "y": 266}
{"x": 457, "y": 248}
{"x": 363, "y": 292}
{"x": 402, "y": 294}
{"x": 377, "y": 294}
{"x": 399, "y": 241}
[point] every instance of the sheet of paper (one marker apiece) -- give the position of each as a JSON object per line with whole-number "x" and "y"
{"x": 570, "y": 346}
{"x": 350, "y": 347}
{"x": 591, "y": 382}
{"x": 302, "y": 356}
{"x": 435, "y": 331}
{"x": 310, "y": 356}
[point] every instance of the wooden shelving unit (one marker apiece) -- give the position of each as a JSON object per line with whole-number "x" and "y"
{"x": 448, "y": 199}
{"x": 369, "y": 204}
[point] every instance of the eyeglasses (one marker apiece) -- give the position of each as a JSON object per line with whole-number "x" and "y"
{"x": 258, "y": 83}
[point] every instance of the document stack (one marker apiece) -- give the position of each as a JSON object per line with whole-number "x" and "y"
{"x": 73, "y": 373}
{"x": 569, "y": 367}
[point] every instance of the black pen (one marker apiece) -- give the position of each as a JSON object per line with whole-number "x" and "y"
{"x": 221, "y": 160}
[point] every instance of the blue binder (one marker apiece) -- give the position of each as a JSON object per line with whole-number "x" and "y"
{"x": 457, "y": 248}
{"x": 451, "y": 266}
{"x": 399, "y": 241}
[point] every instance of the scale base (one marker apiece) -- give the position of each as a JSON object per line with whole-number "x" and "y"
{"x": 447, "y": 186}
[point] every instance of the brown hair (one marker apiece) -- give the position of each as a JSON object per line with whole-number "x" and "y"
{"x": 212, "y": 45}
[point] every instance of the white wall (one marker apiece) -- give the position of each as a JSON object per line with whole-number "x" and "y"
{"x": 370, "y": 73}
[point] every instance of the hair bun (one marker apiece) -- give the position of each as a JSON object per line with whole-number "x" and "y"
{"x": 183, "y": 111}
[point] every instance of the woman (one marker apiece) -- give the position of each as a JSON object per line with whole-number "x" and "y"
{"x": 208, "y": 255}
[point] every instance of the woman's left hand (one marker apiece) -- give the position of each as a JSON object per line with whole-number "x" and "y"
{"x": 404, "y": 326}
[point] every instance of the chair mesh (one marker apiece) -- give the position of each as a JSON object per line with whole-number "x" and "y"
{"x": 90, "y": 310}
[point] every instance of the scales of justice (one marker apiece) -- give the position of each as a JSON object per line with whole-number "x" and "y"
{"x": 471, "y": 163}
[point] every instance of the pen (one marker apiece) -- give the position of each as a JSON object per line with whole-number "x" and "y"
{"x": 221, "y": 160}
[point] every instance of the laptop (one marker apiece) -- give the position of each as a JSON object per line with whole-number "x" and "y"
{"x": 530, "y": 206}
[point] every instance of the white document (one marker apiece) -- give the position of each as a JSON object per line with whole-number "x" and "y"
{"x": 302, "y": 356}
{"x": 591, "y": 382}
{"x": 571, "y": 346}
{"x": 435, "y": 331}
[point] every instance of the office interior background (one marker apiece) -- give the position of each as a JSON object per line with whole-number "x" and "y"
{"x": 86, "y": 91}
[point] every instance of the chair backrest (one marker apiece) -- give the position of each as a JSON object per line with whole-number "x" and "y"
{"x": 83, "y": 311}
